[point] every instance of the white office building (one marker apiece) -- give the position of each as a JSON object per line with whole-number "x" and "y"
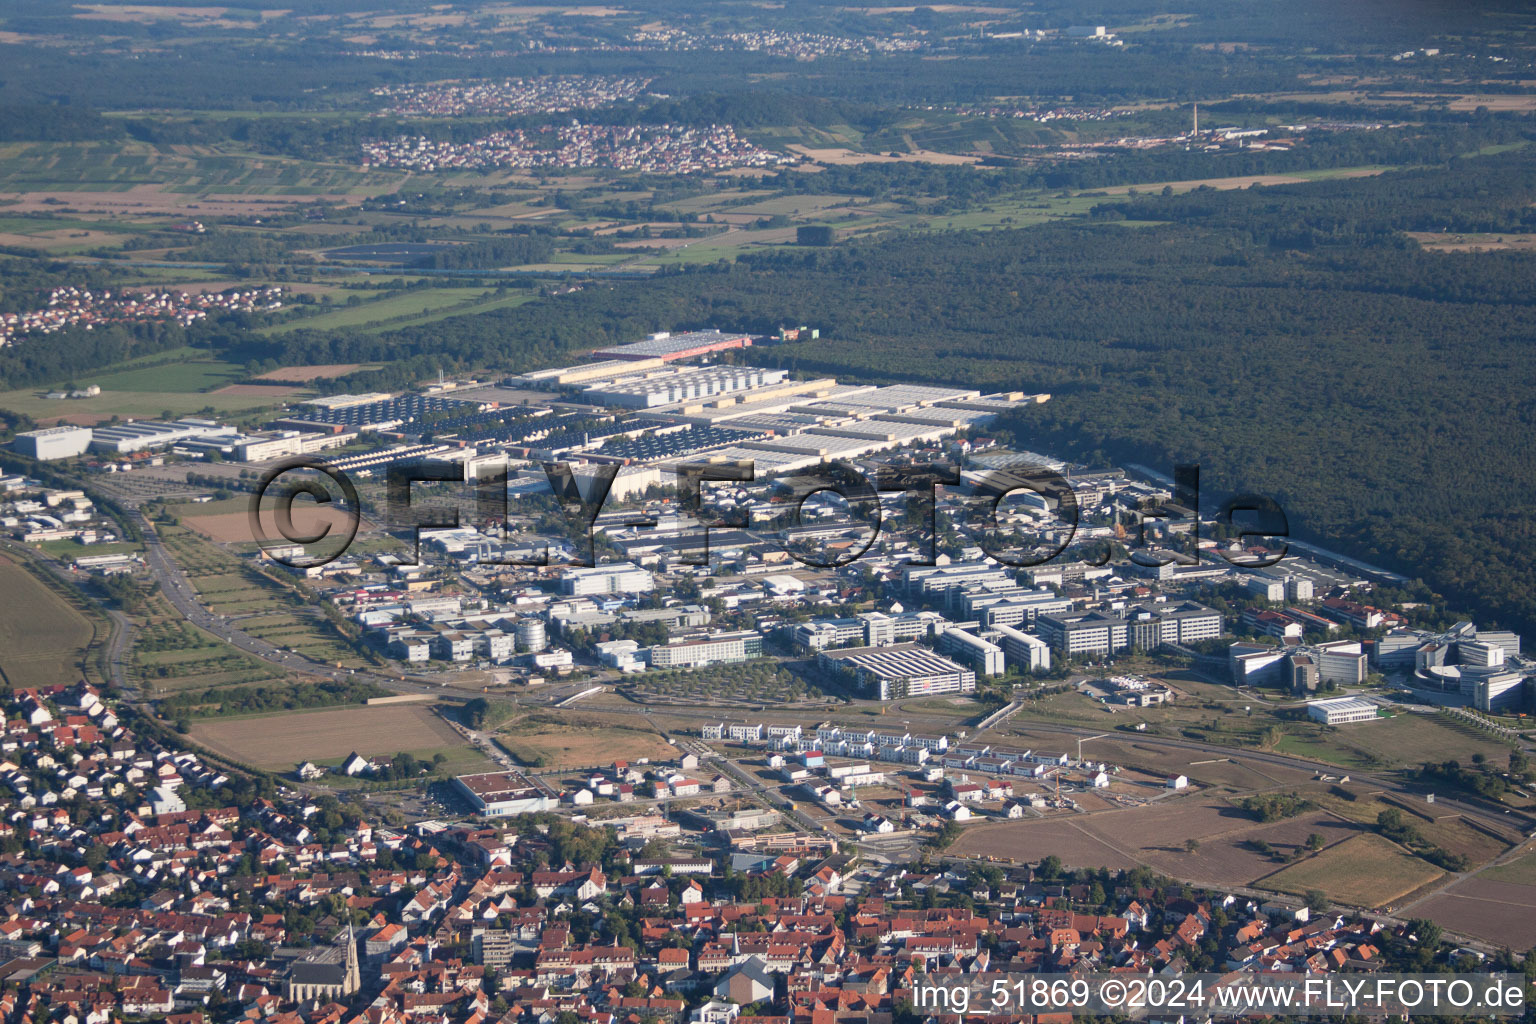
{"x": 1341, "y": 710}
{"x": 620, "y": 578}
{"x": 1022, "y": 651}
{"x": 982, "y": 655}
{"x": 715, "y": 649}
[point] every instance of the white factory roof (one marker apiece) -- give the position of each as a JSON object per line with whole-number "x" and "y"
{"x": 667, "y": 344}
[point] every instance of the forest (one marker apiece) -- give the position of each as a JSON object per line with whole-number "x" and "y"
{"x": 1291, "y": 340}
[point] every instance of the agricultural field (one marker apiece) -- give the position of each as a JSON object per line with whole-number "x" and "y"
{"x": 278, "y": 742}
{"x": 43, "y": 637}
{"x": 1478, "y": 842}
{"x": 170, "y": 655}
{"x": 1496, "y": 911}
{"x": 228, "y": 586}
{"x": 1520, "y": 871}
{"x": 382, "y": 307}
{"x": 579, "y": 742}
{"x": 1365, "y": 871}
{"x": 117, "y": 167}
{"x": 181, "y": 381}
{"x": 1030, "y": 840}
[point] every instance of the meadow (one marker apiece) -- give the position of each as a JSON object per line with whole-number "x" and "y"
{"x": 43, "y": 637}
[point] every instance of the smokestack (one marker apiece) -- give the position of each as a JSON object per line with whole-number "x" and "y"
{"x": 1196, "y": 130}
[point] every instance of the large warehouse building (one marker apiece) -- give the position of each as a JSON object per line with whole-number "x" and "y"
{"x": 685, "y": 385}
{"x": 684, "y": 345}
{"x": 122, "y": 438}
{"x": 53, "y": 442}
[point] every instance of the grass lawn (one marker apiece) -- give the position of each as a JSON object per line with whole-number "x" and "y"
{"x": 70, "y": 549}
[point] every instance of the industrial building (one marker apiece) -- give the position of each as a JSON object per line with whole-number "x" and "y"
{"x": 668, "y": 347}
{"x": 63, "y": 442}
{"x": 667, "y": 387}
{"x": 122, "y": 438}
{"x": 900, "y": 670}
{"x": 501, "y": 794}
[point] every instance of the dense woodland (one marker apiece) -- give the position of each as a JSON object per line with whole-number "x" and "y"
{"x": 1293, "y": 341}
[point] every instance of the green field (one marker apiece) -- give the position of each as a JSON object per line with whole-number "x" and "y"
{"x": 171, "y": 381}
{"x": 72, "y": 549}
{"x": 1520, "y": 871}
{"x": 43, "y": 638}
{"x": 387, "y": 306}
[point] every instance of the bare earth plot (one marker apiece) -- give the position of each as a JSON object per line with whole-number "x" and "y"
{"x": 1448, "y": 241}
{"x": 1032, "y": 840}
{"x": 272, "y": 391}
{"x": 281, "y": 741}
{"x": 840, "y": 156}
{"x": 1233, "y": 858}
{"x": 235, "y": 527}
{"x": 582, "y": 743}
{"x": 305, "y": 374}
{"x": 1223, "y": 184}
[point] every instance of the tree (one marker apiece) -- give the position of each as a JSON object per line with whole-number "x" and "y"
{"x": 1314, "y": 842}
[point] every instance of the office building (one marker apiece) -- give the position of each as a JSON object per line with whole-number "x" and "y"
{"x": 1085, "y": 634}
{"x": 982, "y": 655}
{"x": 1022, "y": 651}
{"x": 900, "y": 670}
{"x": 713, "y": 649}
{"x": 1341, "y": 710}
{"x": 619, "y": 578}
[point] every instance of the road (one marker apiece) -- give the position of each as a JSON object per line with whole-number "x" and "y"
{"x": 179, "y": 591}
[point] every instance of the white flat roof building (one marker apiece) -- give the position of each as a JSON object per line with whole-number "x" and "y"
{"x": 62, "y": 442}
{"x": 656, "y": 389}
{"x": 122, "y": 438}
{"x": 1341, "y": 710}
